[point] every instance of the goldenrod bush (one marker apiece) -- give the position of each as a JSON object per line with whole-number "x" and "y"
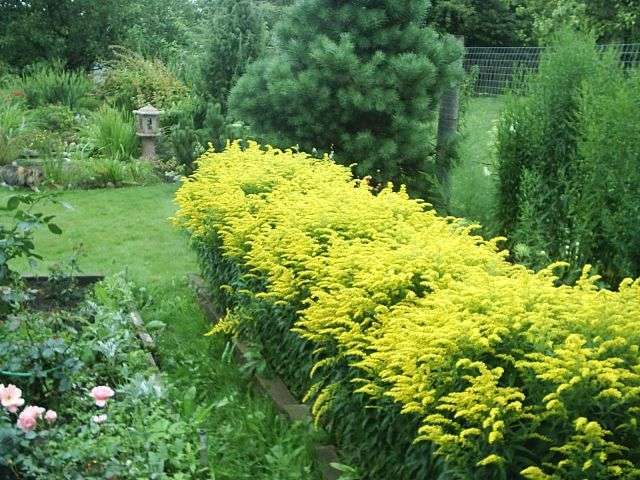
{"x": 425, "y": 352}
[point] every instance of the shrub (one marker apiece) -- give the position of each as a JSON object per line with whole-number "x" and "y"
{"x": 77, "y": 31}
{"x": 133, "y": 81}
{"x": 568, "y": 162}
{"x": 16, "y": 126}
{"x": 480, "y": 22}
{"x": 47, "y": 84}
{"x": 538, "y": 137}
{"x": 425, "y": 351}
{"x": 56, "y": 359}
{"x": 56, "y": 118}
{"x": 97, "y": 173}
{"x": 362, "y": 79}
{"x": 605, "y": 194}
{"x": 195, "y": 123}
{"x": 112, "y": 134}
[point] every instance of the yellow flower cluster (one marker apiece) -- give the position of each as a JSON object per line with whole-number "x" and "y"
{"x": 507, "y": 372}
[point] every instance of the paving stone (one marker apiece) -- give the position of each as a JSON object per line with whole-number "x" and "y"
{"x": 298, "y": 412}
{"x": 325, "y": 456}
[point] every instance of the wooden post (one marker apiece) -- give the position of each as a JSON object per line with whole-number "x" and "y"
{"x": 448, "y": 122}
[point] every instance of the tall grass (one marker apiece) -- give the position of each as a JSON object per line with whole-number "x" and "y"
{"x": 47, "y": 84}
{"x": 112, "y": 134}
{"x": 16, "y": 125}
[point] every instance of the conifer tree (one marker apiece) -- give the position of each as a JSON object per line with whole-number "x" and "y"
{"x": 235, "y": 37}
{"x": 361, "y": 77}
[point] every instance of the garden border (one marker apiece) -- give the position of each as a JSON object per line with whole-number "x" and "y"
{"x": 274, "y": 388}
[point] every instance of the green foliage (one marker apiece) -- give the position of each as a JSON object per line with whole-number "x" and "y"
{"x": 76, "y": 31}
{"x": 16, "y": 127}
{"x": 537, "y": 137}
{"x": 568, "y": 163}
{"x": 85, "y": 173}
{"x": 133, "y": 81}
{"x": 480, "y": 22}
{"x": 195, "y": 123}
{"x": 46, "y": 84}
{"x": 610, "y": 20}
{"x": 605, "y": 194}
{"x": 473, "y": 179}
{"x": 18, "y": 222}
{"x": 160, "y": 28}
{"x": 236, "y": 36}
{"x": 56, "y": 118}
{"x": 62, "y": 356}
{"x": 111, "y": 134}
{"x": 362, "y": 79}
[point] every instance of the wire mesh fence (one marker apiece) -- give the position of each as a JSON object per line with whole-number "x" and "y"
{"x": 494, "y": 68}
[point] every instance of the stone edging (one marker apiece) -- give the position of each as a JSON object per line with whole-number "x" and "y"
{"x": 274, "y": 387}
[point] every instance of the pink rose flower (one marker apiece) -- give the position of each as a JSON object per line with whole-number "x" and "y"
{"x": 28, "y": 418}
{"x": 10, "y": 397}
{"x": 101, "y": 394}
{"x": 51, "y": 416}
{"x": 99, "y": 418}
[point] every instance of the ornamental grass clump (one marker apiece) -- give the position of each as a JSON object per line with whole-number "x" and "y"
{"x": 425, "y": 352}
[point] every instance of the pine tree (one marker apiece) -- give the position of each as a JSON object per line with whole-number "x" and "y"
{"x": 360, "y": 77}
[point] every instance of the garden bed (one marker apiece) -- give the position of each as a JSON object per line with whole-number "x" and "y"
{"x": 58, "y": 293}
{"x": 83, "y": 399}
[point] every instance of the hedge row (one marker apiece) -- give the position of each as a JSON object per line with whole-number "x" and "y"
{"x": 424, "y": 351}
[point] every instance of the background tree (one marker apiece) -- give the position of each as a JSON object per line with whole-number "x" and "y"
{"x": 161, "y": 28}
{"x": 609, "y": 20}
{"x": 362, "y": 78}
{"x": 76, "y": 31}
{"x": 481, "y": 22}
{"x": 235, "y": 36}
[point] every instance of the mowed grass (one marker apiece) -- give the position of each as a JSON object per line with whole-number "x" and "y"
{"x": 129, "y": 230}
{"x": 119, "y": 229}
{"x": 473, "y": 186}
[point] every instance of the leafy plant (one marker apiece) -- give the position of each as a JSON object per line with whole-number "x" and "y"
{"x": 138, "y": 432}
{"x": 50, "y": 84}
{"x": 112, "y": 135}
{"x": 538, "y": 137}
{"x": 604, "y": 194}
{"x": 16, "y": 127}
{"x": 563, "y": 151}
{"x": 133, "y": 81}
{"x": 235, "y": 37}
{"x": 78, "y": 32}
{"x": 18, "y": 222}
{"x": 614, "y": 21}
{"x": 481, "y": 23}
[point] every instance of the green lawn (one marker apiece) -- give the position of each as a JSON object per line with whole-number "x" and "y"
{"x": 119, "y": 229}
{"x": 472, "y": 179}
{"x": 129, "y": 229}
